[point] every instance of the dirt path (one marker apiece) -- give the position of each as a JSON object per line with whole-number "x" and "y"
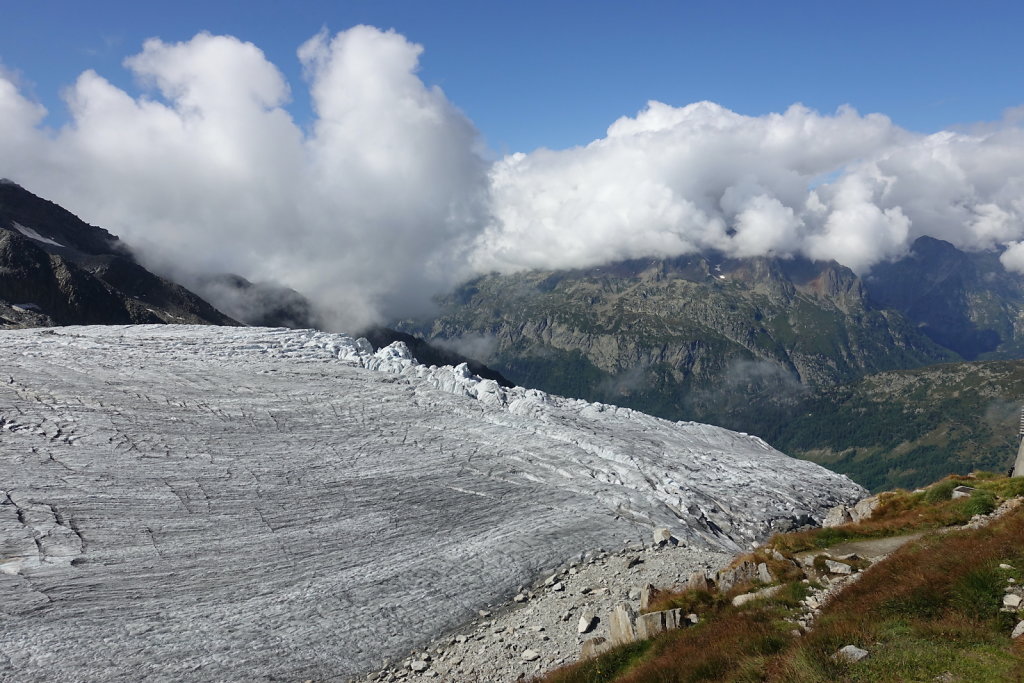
{"x": 873, "y": 548}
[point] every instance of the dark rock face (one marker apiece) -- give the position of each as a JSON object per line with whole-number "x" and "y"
{"x": 58, "y": 270}
{"x": 55, "y": 287}
{"x": 53, "y": 222}
{"x": 260, "y": 304}
{"x": 966, "y": 302}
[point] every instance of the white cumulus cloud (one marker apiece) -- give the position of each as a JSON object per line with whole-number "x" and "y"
{"x": 386, "y": 199}
{"x": 368, "y": 214}
{"x": 671, "y": 180}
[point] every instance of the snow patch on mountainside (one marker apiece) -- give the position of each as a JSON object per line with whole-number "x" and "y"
{"x": 238, "y": 503}
{"x": 32, "y": 234}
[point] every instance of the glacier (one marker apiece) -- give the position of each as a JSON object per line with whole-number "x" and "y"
{"x": 264, "y": 504}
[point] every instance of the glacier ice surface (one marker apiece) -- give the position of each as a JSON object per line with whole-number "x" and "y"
{"x": 252, "y": 503}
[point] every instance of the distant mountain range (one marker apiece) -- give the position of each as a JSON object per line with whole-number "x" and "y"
{"x": 751, "y": 344}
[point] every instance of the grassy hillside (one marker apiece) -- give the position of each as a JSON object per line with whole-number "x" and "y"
{"x": 931, "y": 611}
{"x": 906, "y": 428}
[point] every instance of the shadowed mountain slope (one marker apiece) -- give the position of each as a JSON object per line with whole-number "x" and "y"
{"x": 55, "y": 269}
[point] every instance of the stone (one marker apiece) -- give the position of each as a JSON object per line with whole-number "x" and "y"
{"x": 693, "y": 619}
{"x": 763, "y": 574}
{"x": 460, "y": 639}
{"x": 864, "y": 509}
{"x": 620, "y": 624}
{"x": 838, "y": 567}
{"x": 745, "y": 572}
{"x": 530, "y": 655}
{"x": 1012, "y": 600}
{"x": 632, "y": 562}
{"x": 651, "y": 624}
{"x": 962, "y": 492}
{"x": 587, "y": 623}
{"x": 592, "y": 647}
{"x": 558, "y": 587}
{"x": 837, "y": 516}
{"x": 647, "y": 595}
{"x": 520, "y": 597}
{"x": 744, "y": 598}
{"x": 551, "y": 580}
{"x": 663, "y": 536}
{"x": 698, "y": 581}
{"x": 1018, "y": 630}
{"x": 418, "y": 665}
{"x": 1003, "y": 565}
{"x": 850, "y": 653}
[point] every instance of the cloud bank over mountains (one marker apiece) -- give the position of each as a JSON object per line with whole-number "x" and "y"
{"x": 388, "y": 196}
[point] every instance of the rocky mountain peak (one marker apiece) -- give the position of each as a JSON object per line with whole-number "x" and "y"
{"x": 52, "y": 225}
{"x": 56, "y": 269}
{"x": 965, "y": 301}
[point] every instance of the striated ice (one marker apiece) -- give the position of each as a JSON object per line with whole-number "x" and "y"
{"x": 247, "y": 503}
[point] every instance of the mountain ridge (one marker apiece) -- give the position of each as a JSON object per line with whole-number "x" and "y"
{"x": 56, "y": 269}
{"x": 663, "y": 335}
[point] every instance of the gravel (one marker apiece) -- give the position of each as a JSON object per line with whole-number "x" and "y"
{"x": 520, "y": 640}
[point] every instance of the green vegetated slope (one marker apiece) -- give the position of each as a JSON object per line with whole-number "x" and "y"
{"x": 909, "y": 427}
{"x": 933, "y": 610}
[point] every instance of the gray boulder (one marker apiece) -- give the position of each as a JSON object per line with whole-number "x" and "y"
{"x": 650, "y": 625}
{"x": 587, "y": 623}
{"x": 620, "y": 625}
{"x": 592, "y": 647}
{"x": 837, "y": 516}
{"x": 850, "y": 653}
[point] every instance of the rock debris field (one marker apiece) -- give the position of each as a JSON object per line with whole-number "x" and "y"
{"x": 541, "y": 629}
{"x": 231, "y": 504}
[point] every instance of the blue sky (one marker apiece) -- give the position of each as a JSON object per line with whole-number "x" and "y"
{"x": 556, "y": 74}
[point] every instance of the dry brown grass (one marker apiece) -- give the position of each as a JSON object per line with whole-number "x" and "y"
{"x": 931, "y": 608}
{"x": 710, "y": 652}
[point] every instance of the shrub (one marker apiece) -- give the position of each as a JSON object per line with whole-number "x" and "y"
{"x": 978, "y": 593}
{"x": 940, "y": 492}
{"x": 980, "y": 503}
{"x": 1006, "y": 488}
{"x": 606, "y": 667}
